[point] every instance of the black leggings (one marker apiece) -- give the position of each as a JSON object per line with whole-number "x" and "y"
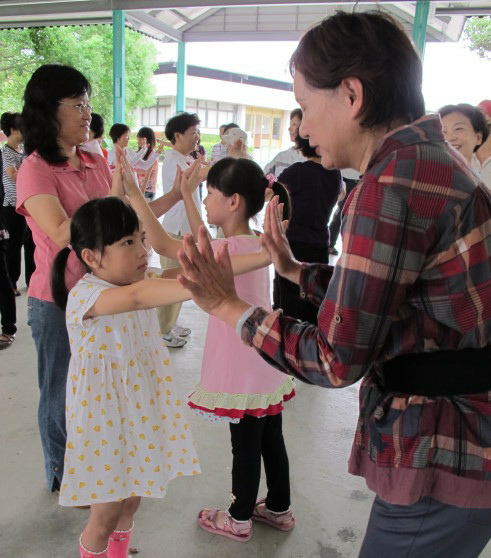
{"x": 19, "y": 235}
{"x": 252, "y": 438}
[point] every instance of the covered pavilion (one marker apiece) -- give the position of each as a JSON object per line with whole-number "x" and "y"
{"x": 331, "y": 507}
{"x": 185, "y": 21}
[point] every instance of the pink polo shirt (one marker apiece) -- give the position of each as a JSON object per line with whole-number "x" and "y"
{"x": 73, "y": 187}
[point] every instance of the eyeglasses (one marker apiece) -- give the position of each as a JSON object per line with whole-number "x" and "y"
{"x": 81, "y": 107}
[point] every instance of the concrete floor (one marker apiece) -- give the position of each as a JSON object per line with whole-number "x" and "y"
{"x": 331, "y": 507}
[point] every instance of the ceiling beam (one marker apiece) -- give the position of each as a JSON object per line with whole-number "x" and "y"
{"x": 156, "y": 24}
{"x": 463, "y": 11}
{"x": 233, "y": 36}
{"x": 51, "y": 7}
{"x": 180, "y": 15}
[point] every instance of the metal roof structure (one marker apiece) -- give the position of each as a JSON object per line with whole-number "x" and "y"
{"x": 238, "y": 20}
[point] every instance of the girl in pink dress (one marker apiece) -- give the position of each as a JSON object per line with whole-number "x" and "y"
{"x": 236, "y": 385}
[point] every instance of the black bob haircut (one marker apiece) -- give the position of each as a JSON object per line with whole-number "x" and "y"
{"x": 10, "y": 121}
{"x": 117, "y": 130}
{"x": 97, "y": 125}
{"x": 95, "y": 224}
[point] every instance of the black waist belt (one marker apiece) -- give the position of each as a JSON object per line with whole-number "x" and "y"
{"x": 439, "y": 373}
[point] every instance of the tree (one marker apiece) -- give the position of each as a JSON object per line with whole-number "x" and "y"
{"x": 87, "y": 48}
{"x": 478, "y": 33}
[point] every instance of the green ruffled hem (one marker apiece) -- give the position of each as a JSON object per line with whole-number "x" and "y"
{"x": 210, "y": 400}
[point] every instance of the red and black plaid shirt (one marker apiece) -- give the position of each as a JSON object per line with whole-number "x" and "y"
{"x": 413, "y": 276}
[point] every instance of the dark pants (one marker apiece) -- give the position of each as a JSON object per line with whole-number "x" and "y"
{"x": 425, "y": 529}
{"x": 286, "y": 295}
{"x": 252, "y": 438}
{"x": 7, "y": 297}
{"x": 335, "y": 224}
{"x": 19, "y": 235}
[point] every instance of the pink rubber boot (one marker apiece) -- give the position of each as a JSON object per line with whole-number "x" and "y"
{"x": 84, "y": 553}
{"x": 119, "y": 543}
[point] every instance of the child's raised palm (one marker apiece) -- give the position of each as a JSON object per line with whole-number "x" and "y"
{"x": 128, "y": 176}
{"x": 190, "y": 178}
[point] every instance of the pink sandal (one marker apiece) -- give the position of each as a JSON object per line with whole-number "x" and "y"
{"x": 236, "y": 530}
{"x": 283, "y": 521}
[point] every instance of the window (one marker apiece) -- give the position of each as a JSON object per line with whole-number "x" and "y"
{"x": 212, "y": 113}
{"x": 276, "y": 128}
{"x": 158, "y": 114}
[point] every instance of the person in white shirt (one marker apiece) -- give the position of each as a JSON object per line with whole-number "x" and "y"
{"x": 219, "y": 150}
{"x": 286, "y": 158}
{"x": 182, "y": 132}
{"x": 223, "y": 149}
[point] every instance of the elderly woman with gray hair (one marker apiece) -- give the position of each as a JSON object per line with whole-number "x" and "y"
{"x": 406, "y": 310}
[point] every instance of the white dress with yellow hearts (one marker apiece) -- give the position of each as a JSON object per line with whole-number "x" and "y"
{"x": 126, "y": 430}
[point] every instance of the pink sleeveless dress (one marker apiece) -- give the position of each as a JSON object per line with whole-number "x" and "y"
{"x": 235, "y": 380}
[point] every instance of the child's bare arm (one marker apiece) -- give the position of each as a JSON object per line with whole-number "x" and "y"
{"x": 242, "y": 263}
{"x": 159, "y": 239}
{"x": 190, "y": 180}
{"x": 144, "y": 294}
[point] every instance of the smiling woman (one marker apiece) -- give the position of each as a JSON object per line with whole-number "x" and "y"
{"x": 464, "y": 127}
{"x": 53, "y": 182}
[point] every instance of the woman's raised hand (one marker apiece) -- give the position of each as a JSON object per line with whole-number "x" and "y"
{"x": 209, "y": 278}
{"x": 275, "y": 242}
{"x": 237, "y": 149}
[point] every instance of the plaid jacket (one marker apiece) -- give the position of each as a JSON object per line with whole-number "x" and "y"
{"x": 413, "y": 276}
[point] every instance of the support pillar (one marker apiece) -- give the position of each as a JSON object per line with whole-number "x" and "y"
{"x": 118, "y": 66}
{"x": 181, "y": 77}
{"x": 420, "y": 23}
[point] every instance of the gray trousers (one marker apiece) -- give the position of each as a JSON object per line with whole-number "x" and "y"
{"x": 427, "y": 529}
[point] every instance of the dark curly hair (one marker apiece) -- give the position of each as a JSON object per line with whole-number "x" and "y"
{"x": 179, "y": 124}
{"x": 374, "y": 48}
{"x": 40, "y": 127}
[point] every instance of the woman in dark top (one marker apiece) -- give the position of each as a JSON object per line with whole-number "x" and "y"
{"x": 314, "y": 192}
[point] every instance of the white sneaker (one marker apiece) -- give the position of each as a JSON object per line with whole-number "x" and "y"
{"x": 180, "y": 331}
{"x": 172, "y": 341}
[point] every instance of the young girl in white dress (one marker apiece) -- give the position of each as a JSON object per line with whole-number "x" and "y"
{"x": 127, "y": 435}
{"x": 237, "y": 385}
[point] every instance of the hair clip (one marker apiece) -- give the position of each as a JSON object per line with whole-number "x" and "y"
{"x": 271, "y": 178}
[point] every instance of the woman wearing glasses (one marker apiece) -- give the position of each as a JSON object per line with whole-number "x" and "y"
{"x": 53, "y": 182}
{"x": 58, "y": 177}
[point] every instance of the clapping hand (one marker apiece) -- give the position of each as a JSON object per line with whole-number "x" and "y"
{"x": 190, "y": 178}
{"x": 130, "y": 185}
{"x": 275, "y": 242}
{"x": 208, "y": 277}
